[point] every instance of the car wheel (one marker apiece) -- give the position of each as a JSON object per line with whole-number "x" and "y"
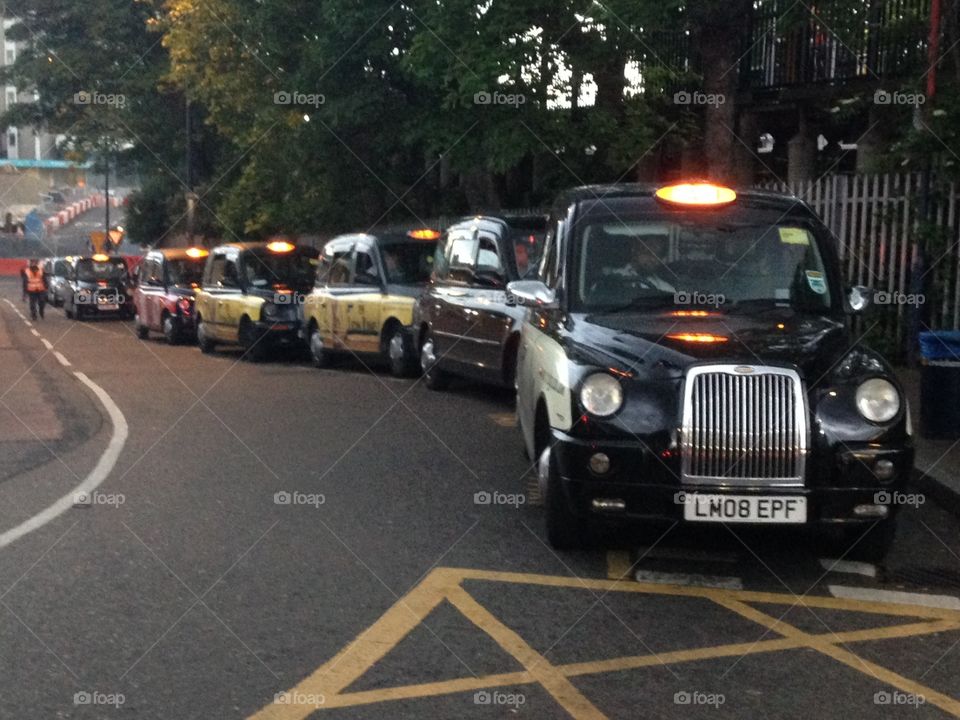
{"x": 565, "y": 531}
{"x": 68, "y": 312}
{"x": 172, "y": 330}
{"x": 433, "y": 377}
{"x": 400, "y": 361}
{"x": 143, "y": 332}
{"x": 319, "y": 355}
{"x": 204, "y": 341}
{"x": 254, "y": 347}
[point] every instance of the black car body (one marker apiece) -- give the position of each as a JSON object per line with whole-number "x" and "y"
{"x": 97, "y": 286}
{"x": 466, "y": 322}
{"x": 716, "y": 383}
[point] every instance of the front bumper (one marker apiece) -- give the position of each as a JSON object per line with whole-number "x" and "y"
{"x": 644, "y": 479}
{"x": 282, "y": 333}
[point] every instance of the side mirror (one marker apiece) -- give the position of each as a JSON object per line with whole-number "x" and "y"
{"x": 859, "y": 298}
{"x": 532, "y": 293}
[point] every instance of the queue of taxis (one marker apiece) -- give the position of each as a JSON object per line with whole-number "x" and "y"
{"x": 249, "y": 296}
{"x": 687, "y": 356}
{"x": 167, "y": 281}
{"x": 363, "y": 302}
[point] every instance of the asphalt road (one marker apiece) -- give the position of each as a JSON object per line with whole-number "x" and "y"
{"x": 280, "y": 542}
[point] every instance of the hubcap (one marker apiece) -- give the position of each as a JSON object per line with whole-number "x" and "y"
{"x": 396, "y": 348}
{"x": 427, "y": 356}
{"x": 543, "y": 471}
{"x": 168, "y": 326}
{"x": 316, "y": 345}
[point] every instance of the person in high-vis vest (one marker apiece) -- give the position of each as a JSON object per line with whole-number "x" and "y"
{"x": 35, "y": 287}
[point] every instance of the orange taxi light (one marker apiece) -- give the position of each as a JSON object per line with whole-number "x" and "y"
{"x": 704, "y": 194}
{"x": 195, "y": 252}
{"x": 692, "y": 313}
{"x": 424, "y": 234}
{"x": 698, "y": 337}
{"x": 100, "y": 257}
{"x": 280, "y": 246}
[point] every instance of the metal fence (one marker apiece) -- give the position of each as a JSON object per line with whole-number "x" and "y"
{"x": 878, "y": 222}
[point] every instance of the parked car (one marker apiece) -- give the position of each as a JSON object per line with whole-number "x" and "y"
{"x": 250, "y": 296}
{"x": 97, "y": 286}
{"x": 164, "y": 298}
{"x": 364, "y": 297}
{"x": 687, "y": 356}
{"x": 466, "y": 322}
{"x": 55, "y": 270}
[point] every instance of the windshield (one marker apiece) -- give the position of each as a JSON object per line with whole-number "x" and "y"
{"x": 265, "y": 269}
{"x": 408, "y": 263}
{"x": 626, "y": 263}
{"x": 186, "y": 272}
{"x": 528, "y": 249}
{"x": 89, "y": 270}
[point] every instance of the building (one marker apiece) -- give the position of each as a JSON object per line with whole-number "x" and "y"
{"x": 20, "y": 143}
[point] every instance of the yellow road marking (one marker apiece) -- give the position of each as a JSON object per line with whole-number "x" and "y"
{"x": 619, "y": 565}
{"x": 332, "y": 678}
{"x": 554, "y": 681}
{"x": 850, "y": 659}
{"x": 507, "y": 420}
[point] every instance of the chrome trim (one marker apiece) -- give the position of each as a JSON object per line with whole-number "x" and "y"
{"x": 743, "y": 429}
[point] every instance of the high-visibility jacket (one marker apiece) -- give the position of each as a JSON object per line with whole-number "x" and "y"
{"x": 35, "y": 282}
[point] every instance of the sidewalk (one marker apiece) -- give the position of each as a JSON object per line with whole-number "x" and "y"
{"x": 937, "y": 461}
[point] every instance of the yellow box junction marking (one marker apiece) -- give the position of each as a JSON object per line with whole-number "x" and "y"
{"x": 324, "y": 689}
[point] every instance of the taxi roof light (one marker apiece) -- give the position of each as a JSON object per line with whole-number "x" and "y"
{"x": 702, "y": 194}
{"x": 698, "y": 337}
{"x": 280, "y": 246}
{"x": 100, "y": 257}
{"x": 196, "y": 252}
{"x": 424, "y": 234}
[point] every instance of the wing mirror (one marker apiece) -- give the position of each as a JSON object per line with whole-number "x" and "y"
{"x": 531, "y": 293}
{"x": 859, "y": 298}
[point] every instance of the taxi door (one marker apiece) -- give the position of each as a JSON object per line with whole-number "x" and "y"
{"x": 363, "y": 301}
{"x": 449, "y": 298}
{"x": 323, "y": 306}
{"x": 148, "y": 296}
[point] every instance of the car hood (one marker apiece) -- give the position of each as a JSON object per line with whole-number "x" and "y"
{"x": 635, "y": 341}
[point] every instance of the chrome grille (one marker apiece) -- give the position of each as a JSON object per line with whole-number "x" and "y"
{"x": 743, "y": 425}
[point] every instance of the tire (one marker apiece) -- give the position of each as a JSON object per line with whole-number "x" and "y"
{"x": 565, "y": 531}
{"x": 68, "y": 312}
{"x": 254, "y": 347}
{"x": 172, "y": 329}
{"x": 433, "y": 377}
{"x": 319, "y": 355}
{"x": 204, "y": 341}
{"x": 143, "y": 332}
{"x": 398, "y": 352}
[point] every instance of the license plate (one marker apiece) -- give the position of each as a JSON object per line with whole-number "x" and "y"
{"x": 108, "y": 306}
{"x": 745, "y": 508}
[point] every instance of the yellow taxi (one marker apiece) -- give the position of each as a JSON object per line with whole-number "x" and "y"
{"x": 366, "y": 288}
{"x": 251, "y": 294}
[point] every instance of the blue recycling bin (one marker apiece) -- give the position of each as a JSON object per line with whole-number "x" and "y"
{"x": 940, "y": 384}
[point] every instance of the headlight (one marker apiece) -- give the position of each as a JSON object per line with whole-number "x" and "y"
{"x": 878, "y": 400}
{"x": 269, "y": 311}
{"x": 601, "y": 395}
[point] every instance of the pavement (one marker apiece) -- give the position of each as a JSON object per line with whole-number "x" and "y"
{"x": 937, "y": 461}
{"x": 268, "y": 540}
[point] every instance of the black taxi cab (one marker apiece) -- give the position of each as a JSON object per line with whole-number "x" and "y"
{"x": 249, "y": 296}
{"x": 467, "y": 325}
{"x": 687, "y": 356}
{"x": 97, "y": 286}
{"x": 364, "y": 297}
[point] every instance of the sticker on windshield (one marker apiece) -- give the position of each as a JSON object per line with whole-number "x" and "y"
{"x": 794, "y": 236}
{"x": 816, "y": 282}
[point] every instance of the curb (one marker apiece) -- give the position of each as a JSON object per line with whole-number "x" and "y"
{"x": 944, "y": 495}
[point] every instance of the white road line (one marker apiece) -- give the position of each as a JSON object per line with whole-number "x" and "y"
{"x": 686, "y": 579}
{"x": 849, "y": 567}
{"x": 46, "y": 343}
{"x": 28, "y": 323}
{"x": 892, "y": 596}
{"x": 35, "y": 332}
{"x": 99, "y": 473}
{"x": 61, "y": 359}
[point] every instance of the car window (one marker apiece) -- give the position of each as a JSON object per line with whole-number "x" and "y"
{"x": 60, "y": 268}
{"x": 185, "y": 272}
{"x": 334, "y": 265}
{"x": 90, "y": 270}
{"x": 365, "y": 269}
{"x": 488, "y": 256}
{"x": 461, "y": 253}
{"x": 408, "y": 262}
{"x": 231, "y": 275}
{"x": 217, "y": 266}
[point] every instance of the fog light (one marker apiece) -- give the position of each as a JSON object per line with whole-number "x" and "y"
{"x": 599, "y": 463}
{"x": 871, "y": 511}
{"x": 609, "y": 504}
{"x": 884, "y": 469}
